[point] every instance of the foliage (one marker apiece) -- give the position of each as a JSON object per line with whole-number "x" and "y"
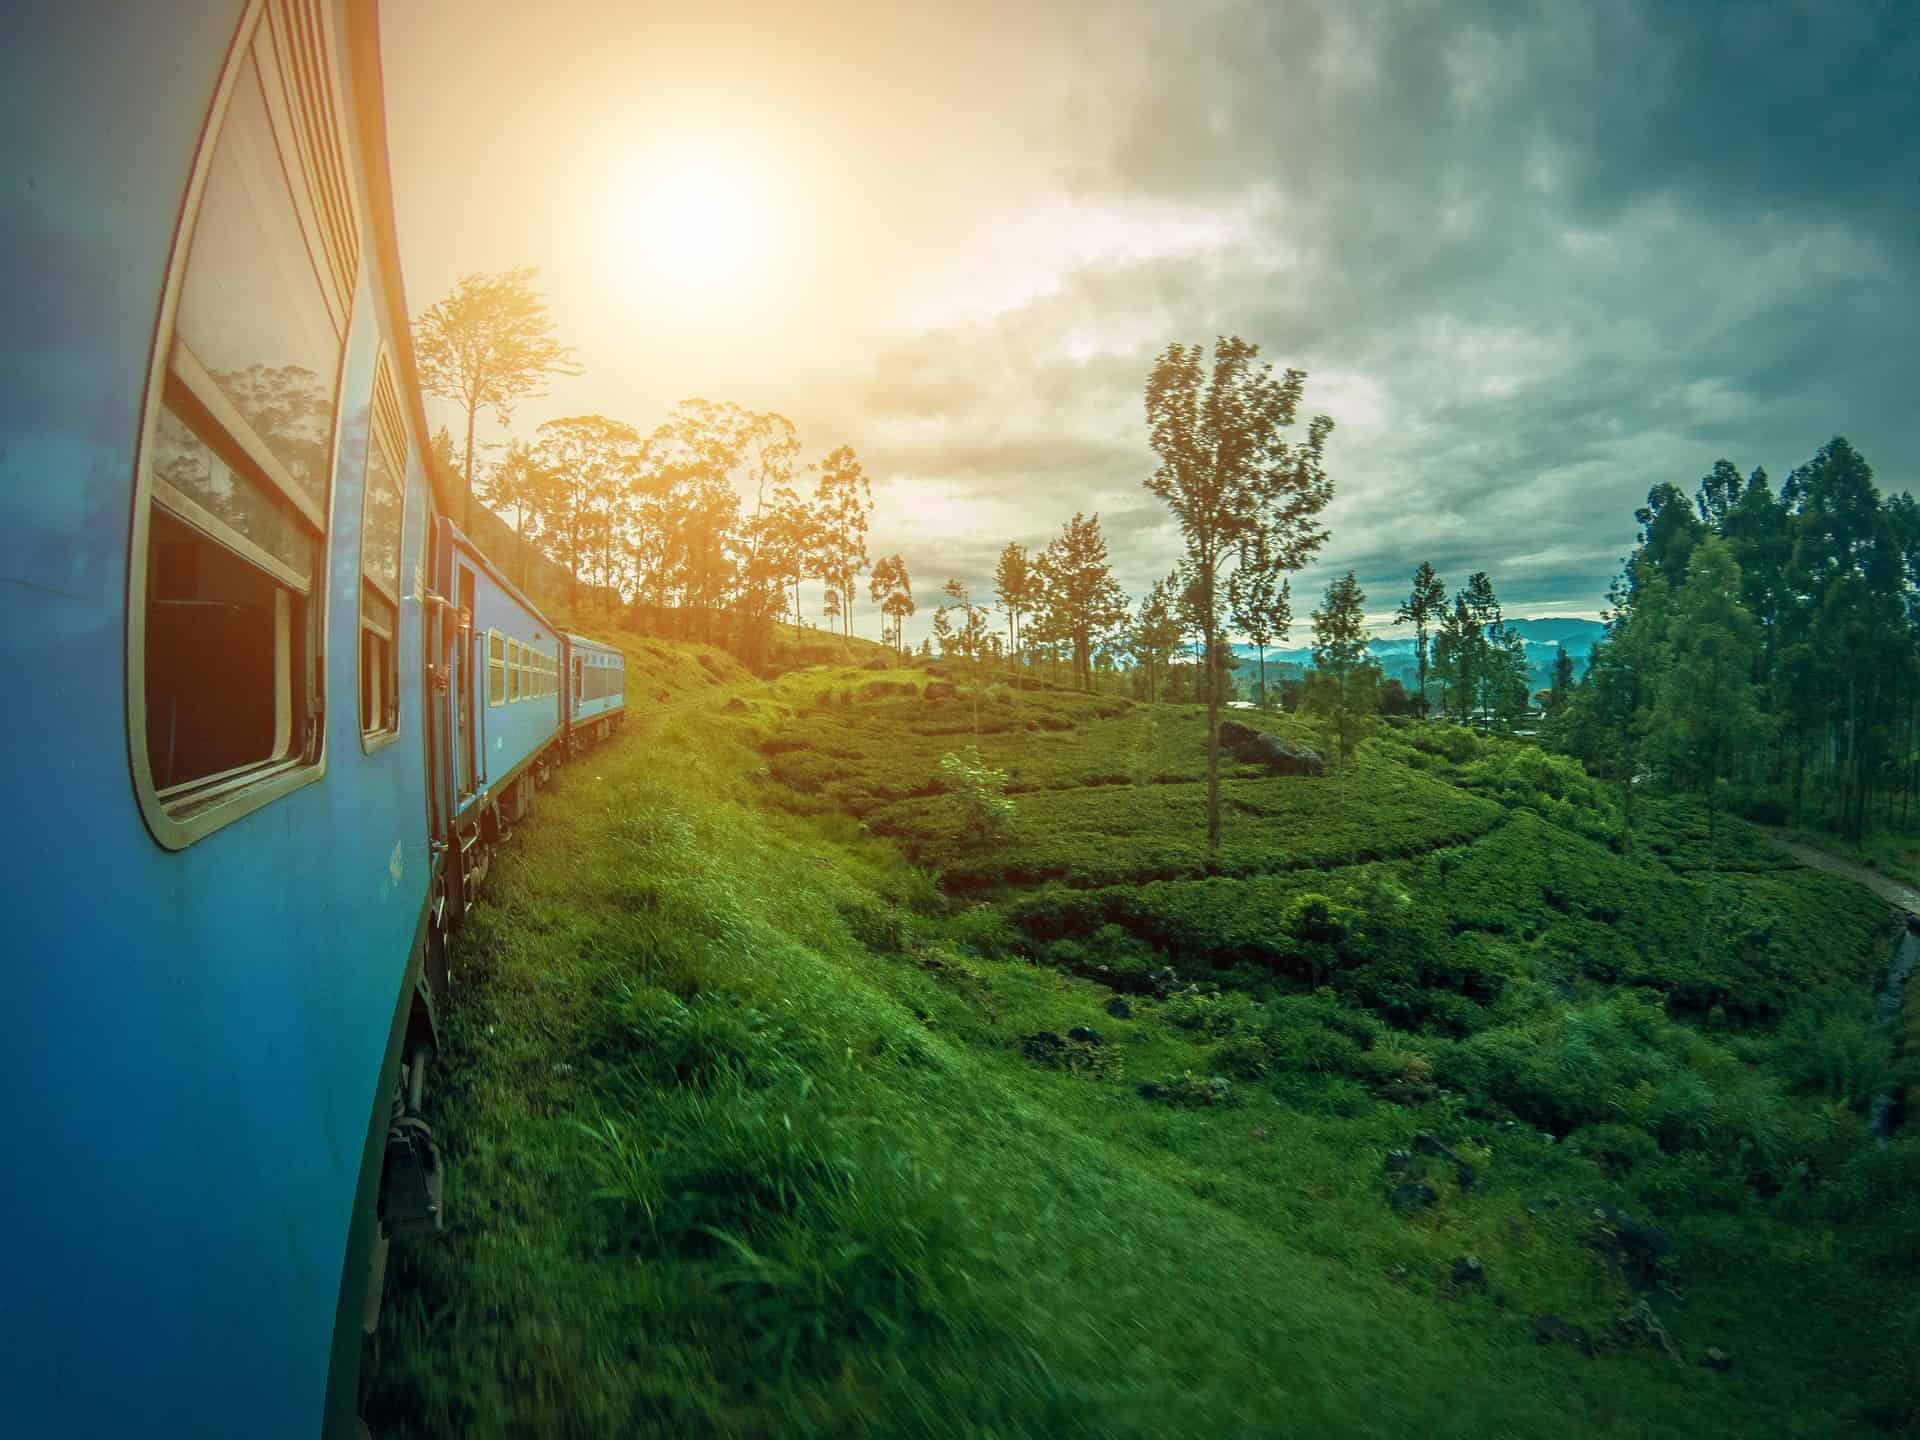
{"x": 487, "y": 346}
{"x": 979, "y": 794}
{"x": 1227, "y": 473}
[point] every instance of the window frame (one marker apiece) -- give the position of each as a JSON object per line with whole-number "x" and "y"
{"x": 496, "y": 668}
{"x": 328, "y": 224}
{"x": 385, "y": 734}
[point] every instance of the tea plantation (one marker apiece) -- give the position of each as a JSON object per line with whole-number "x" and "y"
{"x": 813, "y": 1103}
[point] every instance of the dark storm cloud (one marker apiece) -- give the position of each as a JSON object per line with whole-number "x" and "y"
{"x": 1535, "y": 259}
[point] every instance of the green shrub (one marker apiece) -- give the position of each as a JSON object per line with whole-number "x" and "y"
{"x": 1837, "y": 1051}
{"x": 980, "y": 795}
{"x": 1617, "y": 1149}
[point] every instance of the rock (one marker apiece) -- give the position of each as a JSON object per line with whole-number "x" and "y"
{"x": 1411, "y": 1196}
{"x": 1399, "y": 1162}
{"x": 1119, "y": 1008}
{"x": 1464, "y": 1175}
{"x": 941, "y": 690}
{"x": 1469, "y": 1273}
{"x": 1084, "y": 1035}
{"x": 1640, "y": 1326}
{"x": 1043, "y": 1046}
{"x": 1256, "y": 747}
{"x": 1549, "y": 1328}
{"x": 1636, "y": 1249}
{"x": 1715, "y": 1358}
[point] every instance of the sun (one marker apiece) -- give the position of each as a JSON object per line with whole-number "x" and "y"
{"x": 698, "y": 217}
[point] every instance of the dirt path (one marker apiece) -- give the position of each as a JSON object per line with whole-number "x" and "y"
{"x": 1905, "y": 897}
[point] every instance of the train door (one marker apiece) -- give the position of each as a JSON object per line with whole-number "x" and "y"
{"x": 463, "y": 691}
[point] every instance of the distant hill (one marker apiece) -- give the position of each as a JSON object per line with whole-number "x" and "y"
{"x": 1543, "y": 636}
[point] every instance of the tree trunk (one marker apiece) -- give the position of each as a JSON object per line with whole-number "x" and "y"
{"x": 1213, "y": 743}
{"x": 466, "y": 499}
{"x": 1263, "y": 676}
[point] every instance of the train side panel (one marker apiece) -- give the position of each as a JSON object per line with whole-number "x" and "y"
{"x": 191, "y": 1032}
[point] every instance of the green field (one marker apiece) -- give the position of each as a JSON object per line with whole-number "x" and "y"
{"x": 779, "y": 1103}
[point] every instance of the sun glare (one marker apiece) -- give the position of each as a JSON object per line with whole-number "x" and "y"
{"x": 698, "y": 218}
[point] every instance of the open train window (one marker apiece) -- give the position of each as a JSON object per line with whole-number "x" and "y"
{"x": 496, "y": 668}
{"x": 382, "y": 505}
{"x": 226, "y": 694}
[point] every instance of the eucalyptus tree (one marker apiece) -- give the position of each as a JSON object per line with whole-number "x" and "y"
{"x": 1343, "y": 687}
{"x": 842, "y": 503}
{"x": 515, "y": 484}
{"x": 592, "y": 464}
{"x": 1013, "y": 585}
{"x": 1424, "y": 606}
{"x": 488, "y": 345}
{"x": 1085, "y": 602}
{"x": 891, "y": 588}
{"x": 1227, "y": 470}
{"x": 1260, "y": 600}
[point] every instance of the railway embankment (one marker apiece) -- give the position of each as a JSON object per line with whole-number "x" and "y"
{"x": 798, "y": 1085}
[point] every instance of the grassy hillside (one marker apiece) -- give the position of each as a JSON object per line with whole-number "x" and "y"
{"x": 781, "y": 1101}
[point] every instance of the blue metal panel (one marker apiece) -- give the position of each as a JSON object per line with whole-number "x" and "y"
{"x": 190, "y": 1041}
{"x": 596, "y": 656}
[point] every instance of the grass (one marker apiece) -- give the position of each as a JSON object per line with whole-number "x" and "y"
{"x": 749, "y": 1132}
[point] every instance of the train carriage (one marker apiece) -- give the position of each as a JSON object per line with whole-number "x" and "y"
{"x": 280, "y": 709}
{"x": 596, "y": 700}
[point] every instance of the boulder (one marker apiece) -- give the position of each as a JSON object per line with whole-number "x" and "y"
{"x": 1084, "y": 1035}
{"x": 1464, "y": 1175}
{"x": 1469, "y": 1274}
{"x": 1043, "y": 1046}
{"x": 1634, "y": 1248}
{"x": 1257, "y": 747}
{"x": 1412, "y": 1196}
{"x": 1549, "y": 1328}
{"x": 1714, "y": 1358}
{"x": 1120, "y": 1008}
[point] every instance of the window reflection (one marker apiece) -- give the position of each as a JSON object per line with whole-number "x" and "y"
{"x": 251, "y": 310}
{"x": 184, "y": 463}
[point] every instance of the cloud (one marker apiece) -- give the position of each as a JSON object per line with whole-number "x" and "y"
{"x": 1535, "y": 257}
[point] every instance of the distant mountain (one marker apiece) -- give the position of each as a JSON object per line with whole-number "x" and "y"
{"x": 1543, "y": 637}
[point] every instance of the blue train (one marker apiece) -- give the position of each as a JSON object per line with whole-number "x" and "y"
{"x": 272, "y": 711}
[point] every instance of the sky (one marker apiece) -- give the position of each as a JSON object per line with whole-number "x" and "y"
{"x": 1534, "y": 259}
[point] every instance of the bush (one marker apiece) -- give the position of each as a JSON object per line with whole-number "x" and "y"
{"x": 980, "y": 791}
{"x": 1835, "y": 1051}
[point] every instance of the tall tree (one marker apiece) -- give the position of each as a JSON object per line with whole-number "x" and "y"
{"x": 488, "y": 345}
{"x": 592, "y": 462}
{"x": 1226, "y": 470}
{"x": 1562, "y": 684}
{"x": 517, "y": 484}
{"x": 841, "y": 505}
{"x": 1343, "y": 687}
{"x": 892, "y": 590}
{"x": 1085, "y": 601}
{"x": 1013, "y": 585}
{"x": 1707, "y": 722}
{"x": 1425, "y": 604}
{"x": 1260, "y": 600}
{"x": 1156, "y": 632}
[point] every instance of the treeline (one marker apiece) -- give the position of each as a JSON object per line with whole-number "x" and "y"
{"x": 1763, "y": 647}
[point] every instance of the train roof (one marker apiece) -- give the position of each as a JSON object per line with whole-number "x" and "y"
{"x": 584, "y": 642}
{"x": 467, "y": 543}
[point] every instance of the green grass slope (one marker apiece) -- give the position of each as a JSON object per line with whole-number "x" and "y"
{"x": 777, "y": 1105}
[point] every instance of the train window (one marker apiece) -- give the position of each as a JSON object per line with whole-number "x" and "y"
{"x": 513, "y": 671}
{"x": 526, "y": 672}
{"x": 380, "y": 561}
{"x": 496, "y": 668}
{"x": 226, "y": 690}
